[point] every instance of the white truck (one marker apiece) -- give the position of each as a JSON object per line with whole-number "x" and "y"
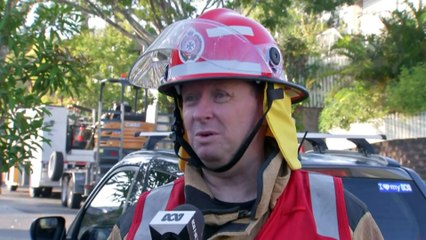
{"x": 59, "y": 153}
{"x": 112, "y": 137}
{"x": 77, "y": 157}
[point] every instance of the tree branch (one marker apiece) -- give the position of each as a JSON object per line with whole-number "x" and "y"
{"x": 156, "y": 20}
{"x": 252, "y": 6}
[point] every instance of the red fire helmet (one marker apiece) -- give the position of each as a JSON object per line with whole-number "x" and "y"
{"x": 219, "y": 44}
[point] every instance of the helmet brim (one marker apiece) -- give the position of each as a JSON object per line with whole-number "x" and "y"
{"x": 296, "y": 92}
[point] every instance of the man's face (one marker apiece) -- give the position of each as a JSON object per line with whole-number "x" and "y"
{"x": 218, "y": 116}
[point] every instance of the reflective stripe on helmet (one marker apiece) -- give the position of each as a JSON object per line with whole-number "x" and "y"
{"x": 224, "y": 31}
{"x": 215, "y": 67}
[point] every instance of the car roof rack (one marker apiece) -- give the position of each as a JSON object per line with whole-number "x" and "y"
{"x": 317, "y": 140}
{"x": 153, "y": 138}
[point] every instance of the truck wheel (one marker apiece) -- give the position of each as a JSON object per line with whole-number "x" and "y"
{"x": 74, "y": 199}
{"x": 34, "y": 191}
{"x": 55, "y": 167}
{"x": 64, "y": 191}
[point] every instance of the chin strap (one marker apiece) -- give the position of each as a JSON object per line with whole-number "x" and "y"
{"x": 179, "y": 140}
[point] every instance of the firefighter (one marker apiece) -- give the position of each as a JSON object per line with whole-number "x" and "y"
{"x": 237, "y": 141}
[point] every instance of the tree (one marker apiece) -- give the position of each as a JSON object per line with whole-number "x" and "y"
{"x": 406, "y": 94}
{"x": 148, "y": 18}
{"x": 355, "y": 98}
{"x": 274, "y": 14}
{"x": 294, "y": 22}
{"x": 386, "y": 66}
{"x": 40, "y": 58}
{"x": 33, "y": 64}
{"x": 108, "y": 55}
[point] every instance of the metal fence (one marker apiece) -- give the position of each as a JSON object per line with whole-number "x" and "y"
{"x": 321, "y": 86}
{"x": 319, "y": 90}
{"x": 398, "y": 126}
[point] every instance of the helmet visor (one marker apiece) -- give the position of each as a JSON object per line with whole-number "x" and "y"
{"x": 200, "y": 48}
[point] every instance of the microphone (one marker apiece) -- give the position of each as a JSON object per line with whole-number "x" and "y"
{"x": 185, "y": 222}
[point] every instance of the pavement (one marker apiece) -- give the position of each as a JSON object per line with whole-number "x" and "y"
{"x": 12, "y": 226}
{"x": 18, "y": 210}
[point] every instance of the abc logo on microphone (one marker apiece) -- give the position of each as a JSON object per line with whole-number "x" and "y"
{"x": 185, "y": 222}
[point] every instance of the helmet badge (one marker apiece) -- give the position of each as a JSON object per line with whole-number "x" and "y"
{"x": 191, "y": 46}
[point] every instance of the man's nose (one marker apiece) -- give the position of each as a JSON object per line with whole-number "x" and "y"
{"x": 204, "y": 108}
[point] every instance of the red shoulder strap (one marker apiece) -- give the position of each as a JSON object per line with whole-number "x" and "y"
{"x": 175, "y": 198}
{"x": 341, "y": 210}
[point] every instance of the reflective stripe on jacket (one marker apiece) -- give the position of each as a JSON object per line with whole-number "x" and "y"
{"x": 317, "y": 212}
{"x": 312, "y": 206}
{"x": 166, "y": 197}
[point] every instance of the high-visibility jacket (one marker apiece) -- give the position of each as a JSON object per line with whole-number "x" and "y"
{"x": 290, "y": 205}
{"x": 304, "y": 210}
{"x": 314, "y": 213}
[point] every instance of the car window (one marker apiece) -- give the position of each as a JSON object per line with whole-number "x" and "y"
{"x": 160, "y": 173}
{"x": 108, "y": 205}
{"x": 398, "y": 206}
{"x": 117, "y": 193}
{"x": 138, "y": 188}
{"x": 157, "y": 178}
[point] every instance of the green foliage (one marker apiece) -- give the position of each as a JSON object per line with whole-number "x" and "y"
{"x": 391, "y": 63}
{"x": 408, "y": 95}
{"x": 42, "y": 59}
{"x": 271, "y": 13}
{"x": 296, "y": 26}
{"x": 33, "y": 64}
{"x": 349, "y": 105}
{"x": 405, "y": 37}
{"x": 274, "y": 14}
{"x": 369, "y": 63}
{"x": 108, "y": 54}
{"x": 298, "y": 43}
{"x": 294, "y": 22}
{"x": 319, "y": 6}
{"x": 146, "y": 18}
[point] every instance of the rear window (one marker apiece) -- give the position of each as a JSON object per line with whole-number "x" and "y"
{"x": 398, "y": 206}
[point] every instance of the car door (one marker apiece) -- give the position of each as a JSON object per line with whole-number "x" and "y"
{"x": 117, "y": 194}
{"x": 118, "y": 190}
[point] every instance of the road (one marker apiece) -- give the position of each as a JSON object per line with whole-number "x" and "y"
{"x": 18, "y": 210}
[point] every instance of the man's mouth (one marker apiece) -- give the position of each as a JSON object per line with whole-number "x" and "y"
{"x": 205, "y": 134}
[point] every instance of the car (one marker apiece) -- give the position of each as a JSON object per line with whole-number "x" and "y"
{"x": 118, "y": 190}
{"x": 395, "y": 195}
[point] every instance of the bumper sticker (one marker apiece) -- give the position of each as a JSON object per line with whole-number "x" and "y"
{"x": 394, "y": 187}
